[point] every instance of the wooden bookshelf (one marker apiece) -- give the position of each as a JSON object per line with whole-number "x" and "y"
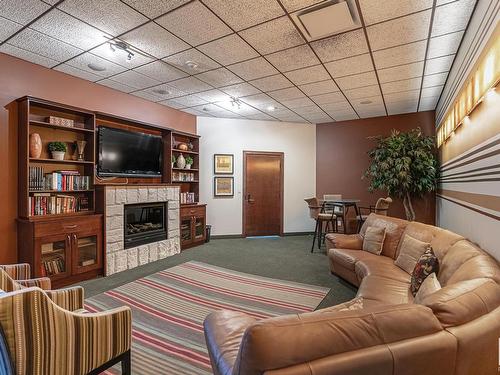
{"x": 188, "y": 187}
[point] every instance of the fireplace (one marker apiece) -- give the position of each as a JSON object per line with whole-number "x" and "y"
{"x": 144, "y": 223}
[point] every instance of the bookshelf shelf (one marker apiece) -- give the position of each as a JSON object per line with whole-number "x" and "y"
{"x": 60, "y": 127}
{"x": 184, "y": 151}
{"x": 185, "y": 170}
{"x": 61, "y": 191}
{"x": 54, "y": 161}
{"x": 185, "y": 182}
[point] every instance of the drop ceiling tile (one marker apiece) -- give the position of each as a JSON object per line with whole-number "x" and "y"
{"x": 444, "y": 45}
{"x": 399, "y": 31}
{"x": 408, "y": 53}
{"x": 155, "y": 40}
{"x": 293, "y": 58}
{"x": 273, "y": 36}
{"x": 404, "y": 85}
{"x": 160, "y": 71}
{"x": 341, "y": 46}
{"x": 439, "y": 64}
{"x": 8, "y": 28}
{"x": 442, "y": 2}
{"x": 293, "y": 5}
{"x": 262, "y": 102}
{"x": 228, "y": 50}
{"x": 213, "y": 96}
{"x": 297, "y": 103}
{"x": 155, "y": 8}
{"x": 437, "y": 79}
{"x": 428, "y": 92}
{"x": 110, "y": 16}
{"x": 404, "y": 96}
{"x": 44, "y": 45}
{"x": 196, "y": 112}
{"x": 134, "y": 79}
{"x": 189, "y": 101}
{"x": 318, "y": 88}
{"x": 113, "y": 84}
{"x": 367, "y": 102}
{"x": 277, "y": 81}
{"x": 285, "y": 94}
{"x": 23, "y": 54}
{"x": 252, "y": 69}
{"x": 371, "y": 111}
{"x": 71, "y": 70}
{"x": 308, "y": 75}
{"x": 452, "y": 17}
{"x": 428, "y": 104}
{"x": 397, "y": 73}
{"x": 164, "y": 91}
{"x": 335, "y": 107}
{"x": 344, "y": 115}
{"x": 362, "y": 92}
{"x": 402, "y": 107}
{"x": 241, "y": 89}
{"x": 310, "y": 109}
{"x": 120, "y": 57}
{"x": 373, "y": 12}
{"x": 350, "y": 65}
{"x": 219, "y": 77}
{"x": 23, "y": 13}
{"x": 190, "y": 85}
{"x": 146, "y": 95}
{"x": 242, "y": 110}
{"x": 194, "y": 23}
{"x": 201, "y": 61}
{"x": 83, "y": 61}
{"x": 357, "y": 80}
{"x": 242, "y": 14}
{"x": 172, "y": 104}
{"x": 332, "y": 97}
{"x": 68, "y": 29}
{"x": 293, "y": 118}
{"x": 260, "y": 116}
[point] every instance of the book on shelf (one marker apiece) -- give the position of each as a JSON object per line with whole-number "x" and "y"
{"x": 188, "y": 198}
{"x": 54, "y": 204}
{"x": 183, "y": 176}
{"x": 63, "y": 180}
{"x": 53, "y": 266}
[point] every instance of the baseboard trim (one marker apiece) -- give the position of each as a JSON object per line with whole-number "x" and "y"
{"x": 287, "y": 234}
{"x": 230, "y": 236}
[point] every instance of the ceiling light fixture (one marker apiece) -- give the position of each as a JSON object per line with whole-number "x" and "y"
{"x": 366, "y": 102}
{"x": 96, "y": 67}
{"x": 191, "y": 64}
{"x": 271, "y": 108}
{"x": 122, "y": 46}
{"x": 161, "y": 91}
{"x": 235, "y": 102}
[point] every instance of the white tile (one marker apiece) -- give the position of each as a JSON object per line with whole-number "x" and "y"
{"x": 71, "y": 70}
{"x": 404, "y": 85}
{"x": 307, "y": 75}
{"x": 190, "y": 85}
{"x": 437, "y": 79}
{"x": 350, "y": 65}
{"x": 293, "y": 58}
{"x": 275, "y": 82}
{"x": 213, "y": 96}
{"x": 346, "y": 115}
{"x": 146, "y": 96}
{"x": 401, "y": 72}
{"x": 444, "y": 45}
{"x": 367, "y": 102}
{"x": 309, "y": 110}
{"x": 252, "y": 69}
{"x": 189, "y": 101}
{"x": 194, "y": 23}
{"x": 68, "y": 29}
{"x": 242, "y": 14}
{"x": 297, "y": 103}
{"x": 260, "y": 116}
{"x": 213, "y": 110}
{"x": 368, "y": 111}
{"x": 357, "y": 80}
{"x": 164, "y": 91}
{"x": 273, "y": 36}
{"x": 27, "y": 55}
{"x": 155, "y": 8}
{"x": 193, "y": 111}
{"x": 428, "y": 92}
{"x": 160, "y": 71}
{"x": 318, "y": 88}
{"x": 341, "y": 46}
{"x": 452, "y": 17}
{"x": 243, "y": 109}
{"x": 404, "y": 96}
{"x": 400, "y": 55}
{"x": 83, "y": 61}
{"x": 331, "y": 97}
{"x": 115, "y": 85}
{"x": 228, "y": 50}
{"x": 293, "y": 5}
{"x": 181, "y": 60}
{"x": 44, "y": 45}
{"x": 439, "y": 64}
{"x": 134, "y": 79}
{"x": 362, "y": 92}
{"x": 402, "y": 107}
{"x": 8, "y": 28}
{"x": 428, "y": 104}
{"x": 110, "y": 16}
{"x": 120, "y": 57}
{"x": 241, "y": 89}
{"x": 373, "y": 11}
{"x": 336, "y": 107}
{"x": 172, "y": 104}
{"x": 155, "y": 40}
{"x": 219, "y": 77}
{"x": 262, "y": 102}
{"x": 23, "y": 13}
{"x": 399, "y": 31}
{"x": 286, "y": 94}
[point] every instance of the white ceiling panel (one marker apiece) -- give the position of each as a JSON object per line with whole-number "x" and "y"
{"x": 112, "y": 84}
{"x": 297, "y": 103}
{"x": 331, "y": 97}
{"x": 428, "y": 92}
{"x": 71, "y": 70}
{"x": 95, "y": 65}
{"x": 341, "y": 46}
{"x": 437, "y": 79}
{"x": 293, "y": 5}
{"x": 172, "y": 104}
{"x": 253, "y": 69}
{"x": 362, "y": 92}
{"x": 308, "y": 75}
{"x": 120, "y": 57}
{"x": 401, "y": 72}
{"x": 161, "y": 71}
{"x": 444, "y": 45}
{"x": 190, "y": 85}
{"x": 374, "y": 11}
{"x": 439, "y": 64}
{"x": 23, "y": 13}
{"x": 402, "y": 107}
{"x": 213, "y": 96}
{"x": 318, "y": 88}
{"x": 404, "y": 85}
{"x": 405, "y": 54}
{"x": 452, "y": 17}
{"x": 262, "y": 102}
{"x": 228, "y": 50}
{"x": 404, "y": 96}
{"x": 189, "y": 100}
{"x": 357, "y": 80}
{"x": 242, "y": 110}
{"x": 275, "y": 82}
{"x": 344, "y": 115}
{"x": 428, "y": 104}
{"x": 146, "y": 95}
{"x": 155, "y": 8}
{"x": 192, "y": 61}
{"x": 293, "y": 58}
{"x": 337, "y": 107}
{"x": 350, "y": 65}
{"x": 8, "y": 28}
{"x": 286, "y": 94}
{"x": 134, "y": 79}
{"x": 260, "y": 116}
{"x": 219, "y": 77}
{"x": 241, "y": 89}
{"x": 164, "y": 92}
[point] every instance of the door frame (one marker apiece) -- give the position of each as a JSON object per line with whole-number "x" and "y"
{"x": 281, "y": 155}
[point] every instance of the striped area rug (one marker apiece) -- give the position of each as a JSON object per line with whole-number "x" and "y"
{"x": 168, "y": 309}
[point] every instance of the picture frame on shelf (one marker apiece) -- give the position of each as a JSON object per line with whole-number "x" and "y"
{"x": 223, "y": 186}
{"x": 223, "y": 163}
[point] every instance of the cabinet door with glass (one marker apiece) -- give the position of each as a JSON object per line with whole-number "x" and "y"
{"x": 186, "y": 230}
{"x": 54, "y": 256}
{"x": 86, "y": 250}
{"x": 199, "y": 228}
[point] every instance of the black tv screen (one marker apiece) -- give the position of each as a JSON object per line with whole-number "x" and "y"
{"x": 126, "y": 153}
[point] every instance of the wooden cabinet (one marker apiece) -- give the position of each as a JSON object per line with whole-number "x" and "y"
{"x": 193, "y": 223}
{"x": 66, "y": 251}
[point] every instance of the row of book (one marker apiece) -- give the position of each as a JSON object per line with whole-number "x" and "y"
{"x": 53, "y": 266}
{"x": 182, "y": 176}
{"x": 57, "y": 180}
{"x": 52, "y": 204}
{"x": 188, "y": 198}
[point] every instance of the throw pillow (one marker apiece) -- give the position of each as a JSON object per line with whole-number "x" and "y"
{"x": 427, "y": 264}
{"x": 411, "y": 251}
{"x": 374, "y": 240}
{"x": 430, "y": 285}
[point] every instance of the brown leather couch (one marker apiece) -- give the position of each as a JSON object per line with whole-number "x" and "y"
{"x": 453, "y": 331}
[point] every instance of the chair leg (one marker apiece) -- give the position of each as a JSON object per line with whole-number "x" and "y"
{"x": 126, "y": 364}
{"x": 320, "y": 234}
{"x": 315, "y": 234}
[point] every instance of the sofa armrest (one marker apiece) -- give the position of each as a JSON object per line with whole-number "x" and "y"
{"x": 70, "y": 299}
{"x": 21, "y": 271}
{"x": 344, "y": 241}
{"x": 41, "y": 282}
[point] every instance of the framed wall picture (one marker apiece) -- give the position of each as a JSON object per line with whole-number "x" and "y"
{"x": 223, "y": 163}
{"x": 223, "y": 186}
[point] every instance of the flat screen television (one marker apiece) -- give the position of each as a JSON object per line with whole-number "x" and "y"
{"x": 125, "y": 153}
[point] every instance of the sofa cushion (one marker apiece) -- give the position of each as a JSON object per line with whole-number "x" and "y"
{"x": 347, "y": 258}
{"x": 380, "y": 266}
{"x": 394, "y": 228}
{"x": 477, "y": 267}
{"x": 430, "y": 285}
{"x": 344, "y": 241}
{"x": 457, "y": 255}
{"x": 411, "y": 251}
{"x": 385, "y": 290}
{"x": 426, "y": 265}
{"x": 374, "y": 240}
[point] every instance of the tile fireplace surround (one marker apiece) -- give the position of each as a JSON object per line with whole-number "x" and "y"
{"x": 116, "y": 197}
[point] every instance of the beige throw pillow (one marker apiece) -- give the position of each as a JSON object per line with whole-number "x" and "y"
{"x": 430, "y": 285}
{"x": 411, "y": 251}
{"x": 374, "y": 240}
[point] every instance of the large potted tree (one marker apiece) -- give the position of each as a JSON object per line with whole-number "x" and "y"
{"x": 405, "y": 165}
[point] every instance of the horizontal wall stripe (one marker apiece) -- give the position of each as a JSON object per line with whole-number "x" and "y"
{"x": 476, "y": 180}
{"x": 488, "y": 188}
{"x": 470, "y": 161}
{"x": 472, "y": 170}
{"x": 490, "y": 202}
{"x": 490, "y": 143}
{"x": 494, "y": 173}
{"x": 470, "y": 207}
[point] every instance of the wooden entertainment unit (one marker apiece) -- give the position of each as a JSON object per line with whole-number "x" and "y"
{"x": 60, "y": 216}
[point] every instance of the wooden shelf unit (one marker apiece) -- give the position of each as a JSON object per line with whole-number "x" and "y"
{"x": 177, "y": 138}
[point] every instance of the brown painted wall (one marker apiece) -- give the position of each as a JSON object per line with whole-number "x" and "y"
{"x": 341, "y": 159}
{"x": 19, "y": 78}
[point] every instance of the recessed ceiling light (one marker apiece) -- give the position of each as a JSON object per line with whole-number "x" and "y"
{"x": 161, "y": 91}
{"x": 271, "y": 108}
{"x": 191, "y": 64}
{"x": 205, "y": 109}
{"x": 96, "y": 67}
{"x": 366, "y": 102}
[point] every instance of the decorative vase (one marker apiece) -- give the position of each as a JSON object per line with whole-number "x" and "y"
{"x": 35, "y": 145}
{"x": 188, "y": 166}
{"x": 58, "y": 155}
{"x": 80, "y": 146}
{"x": 181, "y": 162}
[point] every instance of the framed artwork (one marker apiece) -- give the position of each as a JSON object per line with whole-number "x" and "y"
{"x": 223, "y": 163}
{"x": 223, "y": 186}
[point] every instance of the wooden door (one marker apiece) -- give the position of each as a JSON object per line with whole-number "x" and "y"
{"x": 263, "y": 193}
{"x": 86, "y": 250}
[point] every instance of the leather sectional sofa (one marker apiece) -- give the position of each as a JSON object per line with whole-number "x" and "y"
{"x": 455, "y": 330}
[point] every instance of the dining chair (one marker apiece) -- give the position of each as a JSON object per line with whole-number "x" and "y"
{"x": 381, "y": 207}
{"x": 338, "y": 210}
{"x": 322, "y": 214}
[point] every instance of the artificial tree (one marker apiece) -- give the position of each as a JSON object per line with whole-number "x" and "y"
{"x": 404, "y": 165}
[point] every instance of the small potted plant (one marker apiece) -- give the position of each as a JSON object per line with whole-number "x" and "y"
{"x": 189, "y": 162}
{"x": 173, "y": 160}
{"x": 58, "y": 149}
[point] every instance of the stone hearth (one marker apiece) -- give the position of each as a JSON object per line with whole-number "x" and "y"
{"x": 117, "y": 257}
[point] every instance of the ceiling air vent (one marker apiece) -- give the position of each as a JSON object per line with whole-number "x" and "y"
{"x": 328, "y": 18}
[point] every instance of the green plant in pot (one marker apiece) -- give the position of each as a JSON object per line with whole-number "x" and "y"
{"x": 58, "y": 149}
{"x": 189, "y": 162}
{"x": 404, "y": 165}
{"x": 173, "y": 160}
